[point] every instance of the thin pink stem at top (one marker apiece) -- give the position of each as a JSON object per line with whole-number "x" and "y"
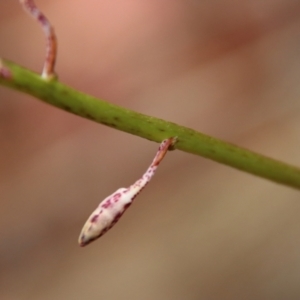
{"x": 51, "y": 41}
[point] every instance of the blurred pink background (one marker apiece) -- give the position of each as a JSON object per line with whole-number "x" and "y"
{"x": 200, "y": 230}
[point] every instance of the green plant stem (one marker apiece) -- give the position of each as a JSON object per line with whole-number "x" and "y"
{"x": 189, "y": 140}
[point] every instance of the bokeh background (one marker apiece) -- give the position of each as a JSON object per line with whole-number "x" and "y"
{"x": 200, "y": 230}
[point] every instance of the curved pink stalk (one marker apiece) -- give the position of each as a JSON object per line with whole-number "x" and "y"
{"x": 51, "y": 46}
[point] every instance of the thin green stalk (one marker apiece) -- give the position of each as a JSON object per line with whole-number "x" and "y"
{"x": 189, "y": 140}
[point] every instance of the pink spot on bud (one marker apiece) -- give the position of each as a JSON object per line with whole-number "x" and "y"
{"x": 94, "y": 218}
{"x": 106, "y": 204}
{"x": 116, "y": 197}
